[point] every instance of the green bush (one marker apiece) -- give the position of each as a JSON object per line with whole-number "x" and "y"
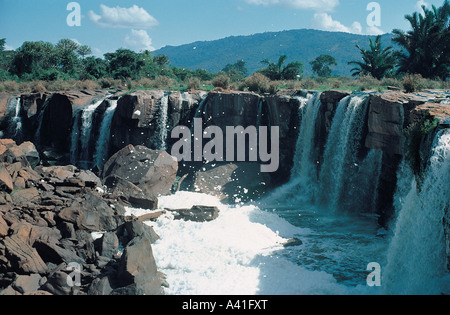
{"x": 412, "y": 83}
{"x": 257, "y": 83}
{"x": 221, "y": 81}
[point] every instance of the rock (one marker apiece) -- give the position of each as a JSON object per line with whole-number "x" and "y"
{"x": 26, "y": 195}
{"x": 108, "y": 245}
{"x": 6, "y": 182}
{"x": 57, "y": 174}
{"x": 154, "y": 172}
{"x": 128, "y": 127}
{"x": 122, "y": 189}
{"x": 137, "y": 268}
{"x": 100, "y": 286}
{"x": 28, "y": 151}
{"x": 151, "y": 216}
{"x": 27, "y": 284}
{"x": 143, "y": 202}
{"x": 52, "y": 252}
{"x": 57, "y": 283}
{"x": 10, "y": 291}
{"x": 22, "y": 256}
{"x": 137, "y": 228}
{"x": 388, "y": 116}
{"x": 293, "y": 242}
{"x": 90, "y": 179}
{"x": 240, "y": 181}
{"x": 3, "y": 227}
{"x": 438, "y": 111}
{"x": 197, "y": 214}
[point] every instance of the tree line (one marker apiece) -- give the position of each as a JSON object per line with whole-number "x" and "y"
{"x": 425, "y": 50}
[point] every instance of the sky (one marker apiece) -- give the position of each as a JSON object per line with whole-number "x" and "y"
{"x": 107, "y": 25}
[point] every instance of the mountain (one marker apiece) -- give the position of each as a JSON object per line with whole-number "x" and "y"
{"x": 302, "y": 45}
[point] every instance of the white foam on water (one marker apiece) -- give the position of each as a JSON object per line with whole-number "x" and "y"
{"x": 239, "y": 253}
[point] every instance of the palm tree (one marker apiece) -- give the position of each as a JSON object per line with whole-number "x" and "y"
{"x": 427, "y": 45}
{"x": 276, "y": 71}
{"x": 376, "y": 61}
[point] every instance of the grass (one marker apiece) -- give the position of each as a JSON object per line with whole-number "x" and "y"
{"x": 256, "y": 83}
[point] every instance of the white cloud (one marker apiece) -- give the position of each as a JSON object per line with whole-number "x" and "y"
{"x": 325, "y": 22}
{"x": 319, "y": 5}
{"x": 118, "y": 17}
{"x": 373, "y": 30}
{"x": 419, "y": 5}
{"x": 138, "y": 40}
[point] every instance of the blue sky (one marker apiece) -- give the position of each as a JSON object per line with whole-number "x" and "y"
{"x": 107, "y": 25}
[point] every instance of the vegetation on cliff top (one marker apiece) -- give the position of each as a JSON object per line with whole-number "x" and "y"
{"x": 40, "y": 66}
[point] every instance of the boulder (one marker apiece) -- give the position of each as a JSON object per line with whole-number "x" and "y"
{"x": 22, "y": 256}
{"x": 6, "y": 182}
{"x": 108, "y": 245}
{"x": 3, "y": 227}
{"x": 122, "y": 189}
{"x": 154, "y": 172}
{"x": 137, "y": 268}
{"x": 240, "y": 181}
{"x": 28, "y": 151}
{"x": 27, "y": 284}
{"x": 197, "y": 214}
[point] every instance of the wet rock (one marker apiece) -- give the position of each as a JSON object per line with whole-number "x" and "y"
{"x": 197, "y": 214}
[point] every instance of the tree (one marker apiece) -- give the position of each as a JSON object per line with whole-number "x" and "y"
{"x": 95, "y": 67}
{"x": 33, "y": 57}
{"x": 84, "y": 50}
{"x": 426, "y": 47}
{"x": 321, "y": 66}
{"x": 276, "y": 71}
{"x": 66, "y": 58}
{"x": 124, "y": 63}
{"x": 376, "y": 61}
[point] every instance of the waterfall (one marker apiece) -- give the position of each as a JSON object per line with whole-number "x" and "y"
{"x": 80, "y": 153}
{"x": 74, "y": 138}
{"x": 163, "y": 122}
{"x": 102, "y": 147}
{"x": 17, "y": 119}
{"x": 342, "y": 148}
{"x": 302, "y": 184}
{"x": 416, "y": 259}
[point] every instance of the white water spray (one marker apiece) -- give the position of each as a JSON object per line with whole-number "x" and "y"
{"x": 102, "y": 147}
{"x": 416, "y": 261}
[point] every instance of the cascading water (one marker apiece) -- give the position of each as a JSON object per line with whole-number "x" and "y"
{"x": 102, "y": 147}
{"x": 340, "y": 160}
{"x": 416, "y": 261}
{"x": 303, "y": 178}
{"x": 163, "y": 118}
{"x": 17, "y": 119}
{"x": 81, "y": 137}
